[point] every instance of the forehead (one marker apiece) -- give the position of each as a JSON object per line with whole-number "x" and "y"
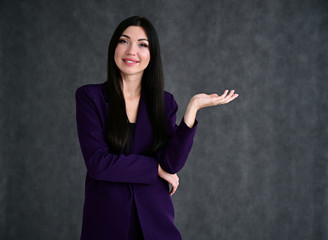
{"x": 135, "y": 32}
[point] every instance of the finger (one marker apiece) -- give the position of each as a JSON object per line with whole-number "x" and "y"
{"x": 174, "y": 188}
{"x": 231, "y": 97}
{"x": 224, "y": 94}
{"x": 227, "y": 96}
{"x": 227, "y": 100}
{"x": 214, "y": 99}
{"x": 214, "y": 95}
{"x": 231, "y": 93}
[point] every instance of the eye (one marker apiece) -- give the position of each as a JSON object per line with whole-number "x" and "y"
{"x": 122, "y": 41}
{"x": 143, "y": 45}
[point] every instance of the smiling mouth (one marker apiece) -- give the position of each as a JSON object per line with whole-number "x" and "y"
{"x": 130, "y": 61}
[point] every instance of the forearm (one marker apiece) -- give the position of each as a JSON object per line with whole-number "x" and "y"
{"x": 190, "y": 114}
{"x": 132, "y": 168}
{"x": 175, "y": 154}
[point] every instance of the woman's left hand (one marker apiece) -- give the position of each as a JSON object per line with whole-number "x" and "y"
{"x": 207, "y": 100}
{"x": 203, "y": 100}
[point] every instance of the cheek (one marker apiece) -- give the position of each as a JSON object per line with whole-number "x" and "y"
{"x": 117, "y": 54}
{"x": 146, "y": 56}
{"x": 120, "y": 50}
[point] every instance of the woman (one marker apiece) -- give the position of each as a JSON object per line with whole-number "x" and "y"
{"x": 129, "y": 140}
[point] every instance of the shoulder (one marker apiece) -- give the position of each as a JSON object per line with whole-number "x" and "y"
{"x": 169, "y": 102}
{"x": 91, "y": 88}
{"x": 168, "y": 97}
{"x": 92, "y": 91}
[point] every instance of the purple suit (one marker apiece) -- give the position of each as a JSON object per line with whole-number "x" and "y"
{"x": 115, "y": 181}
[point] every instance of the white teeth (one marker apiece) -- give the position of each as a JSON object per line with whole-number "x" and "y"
{"x": 128, "y": 61}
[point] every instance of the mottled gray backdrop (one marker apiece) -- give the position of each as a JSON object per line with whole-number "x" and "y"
{"x": 258, "y": 168}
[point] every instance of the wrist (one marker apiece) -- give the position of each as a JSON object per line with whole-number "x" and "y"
{"x": 190, "y": 115}
{"x": 192, "y": 107}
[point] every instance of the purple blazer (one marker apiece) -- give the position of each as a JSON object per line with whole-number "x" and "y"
{"x": 114, "y": 181}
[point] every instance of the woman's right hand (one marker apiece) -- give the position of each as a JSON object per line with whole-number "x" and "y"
{"x": 172, "y": 179}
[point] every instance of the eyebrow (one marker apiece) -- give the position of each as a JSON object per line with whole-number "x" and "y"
{"x": 141, "y": 39}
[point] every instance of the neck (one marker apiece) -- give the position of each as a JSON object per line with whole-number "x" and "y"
{"x": 131, "y": 86}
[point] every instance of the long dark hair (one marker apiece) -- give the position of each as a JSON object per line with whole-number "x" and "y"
{"x": 152, "y": 85}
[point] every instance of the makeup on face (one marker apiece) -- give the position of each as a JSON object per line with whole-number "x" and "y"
{"x": 132, "y": 53}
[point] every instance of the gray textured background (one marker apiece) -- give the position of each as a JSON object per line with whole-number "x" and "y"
{"x": 258, "y": 168}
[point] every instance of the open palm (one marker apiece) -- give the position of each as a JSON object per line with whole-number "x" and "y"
{"x": 202, "y": 100}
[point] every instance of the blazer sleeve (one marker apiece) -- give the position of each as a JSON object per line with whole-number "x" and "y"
{"x": 173, "y": 157}
{"x": 100, "y": 163}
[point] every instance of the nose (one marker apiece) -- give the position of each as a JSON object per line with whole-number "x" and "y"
{"x": 131, "y": 49}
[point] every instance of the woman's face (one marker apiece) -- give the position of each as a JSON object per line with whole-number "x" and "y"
{"x": 132, "y": 54}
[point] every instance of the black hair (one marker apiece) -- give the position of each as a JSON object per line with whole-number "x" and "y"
{"x": 152, "y": 85}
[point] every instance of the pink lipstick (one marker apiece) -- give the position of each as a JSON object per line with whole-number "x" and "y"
{"x": 130, "y": 61}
